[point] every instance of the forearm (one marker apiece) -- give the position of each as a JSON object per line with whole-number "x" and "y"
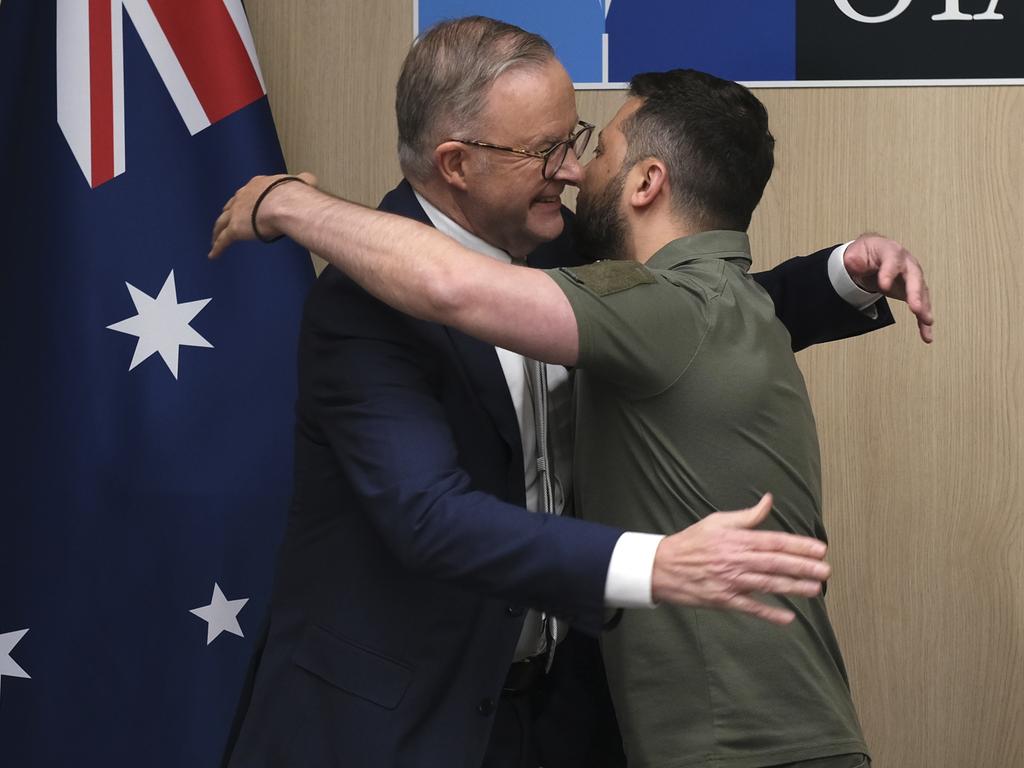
{"x": 403, "y": 263}
{"x": 425, "y": 274}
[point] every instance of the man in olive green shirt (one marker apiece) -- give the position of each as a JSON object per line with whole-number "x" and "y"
{"x": 689, "y": 401}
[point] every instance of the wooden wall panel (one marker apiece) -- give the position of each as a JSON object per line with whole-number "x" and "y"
{"x": 330, "y": 68}
{"x": 922, "y": 446}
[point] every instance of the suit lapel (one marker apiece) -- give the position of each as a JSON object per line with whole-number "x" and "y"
{"x": 487, "y": 380}
{"x": 479, "y": 360}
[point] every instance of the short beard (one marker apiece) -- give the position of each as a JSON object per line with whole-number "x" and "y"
{"x": 599, "y": 227}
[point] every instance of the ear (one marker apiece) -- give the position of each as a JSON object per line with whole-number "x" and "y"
{"x": 450, "y": 158}
{"x": 650, "y": 178}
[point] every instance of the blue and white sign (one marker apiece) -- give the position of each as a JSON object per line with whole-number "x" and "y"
{"x": 603, "y": 43}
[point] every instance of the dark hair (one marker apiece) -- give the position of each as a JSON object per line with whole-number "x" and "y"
{"x": 713, "y": 137}
{"x": 445, "y": 80}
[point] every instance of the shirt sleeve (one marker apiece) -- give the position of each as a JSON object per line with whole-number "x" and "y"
{"x": 847, "y": 289}
{"x": 638, "y": 328}
{"x": 631, "y": 571}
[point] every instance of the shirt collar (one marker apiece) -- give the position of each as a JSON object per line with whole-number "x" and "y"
{"x": 714, "y": 244}
{"x": 448, "y": 226}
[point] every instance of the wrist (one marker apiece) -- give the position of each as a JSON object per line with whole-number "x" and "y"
{"x": 263, "y": 210}
{"x": 657, "y": 572}
{"x": 845, "y": 283}
{"x": 631, "y": 571}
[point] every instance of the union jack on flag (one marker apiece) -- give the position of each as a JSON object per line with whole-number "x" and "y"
{"x": 203, "y": 52}
{"x": 149, "y": 393}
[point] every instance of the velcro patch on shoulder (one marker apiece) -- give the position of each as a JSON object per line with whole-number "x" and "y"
{"x": 608, "y": 277}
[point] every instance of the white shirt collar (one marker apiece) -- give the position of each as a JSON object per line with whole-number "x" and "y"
{"x": 448, "y": 226}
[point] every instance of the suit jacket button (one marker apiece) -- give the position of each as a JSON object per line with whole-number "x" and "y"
{"x": 514, "y": 611}
{"x": 485, "y": 707}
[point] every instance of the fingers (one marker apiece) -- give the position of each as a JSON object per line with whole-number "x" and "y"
{"x": 235, "y": 220}
{"x": 889, "y": 277}
{"x": 922, "y": 307}
{"x": 917, "y": 296}
{"x": 712, "y": 564}
{"x": 779, "y": 542}
{"x": 761, "y": 509}
{"x": 768, "y": 541}
{"x": 766, "y": 564}
{"x": 913, "y": 279}
{"x": 222, "y": 221}
{"x": 219, "y": 242}
{"x": 771, "y": 583}
{"x": 751, "y": 517}
{"x": 900, "y": 276}
{"x": 770, "y": 613}
{"x": 925, "y": 329}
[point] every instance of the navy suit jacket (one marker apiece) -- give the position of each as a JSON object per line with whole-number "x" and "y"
{"x": 408, "y": 557}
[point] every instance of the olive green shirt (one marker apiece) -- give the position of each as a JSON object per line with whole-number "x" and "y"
{"x": 689, "y": 401}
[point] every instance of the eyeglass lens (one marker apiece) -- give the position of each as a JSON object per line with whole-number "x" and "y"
{"x": 553, "y": 162}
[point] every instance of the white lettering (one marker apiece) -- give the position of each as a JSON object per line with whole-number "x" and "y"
{"x": 952, "y": 13}
{"x": 990, "y": 14}
{"x": 901, "y": 6}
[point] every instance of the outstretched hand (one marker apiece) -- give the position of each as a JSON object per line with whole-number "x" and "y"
{"x": 881, "y": 265}
{"x": 235, "y": 222}
{"x": 720, "y": 562}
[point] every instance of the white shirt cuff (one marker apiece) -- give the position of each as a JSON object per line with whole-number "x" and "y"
{"x": 631, "y": 570}
{"x": 848, "y": 290}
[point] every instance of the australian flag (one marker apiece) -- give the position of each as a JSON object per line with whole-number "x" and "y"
{"x": 147, "y": 392}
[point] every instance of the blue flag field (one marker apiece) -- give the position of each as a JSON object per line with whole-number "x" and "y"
{"x": 149, "y": 392}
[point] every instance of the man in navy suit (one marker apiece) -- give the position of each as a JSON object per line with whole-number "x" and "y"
{"x": 411, "y": 622}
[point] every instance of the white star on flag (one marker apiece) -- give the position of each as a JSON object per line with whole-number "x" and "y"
{"x": 9, "y": 666}
{"x": 221, "y": 615}
{"x": 162, "y": 324}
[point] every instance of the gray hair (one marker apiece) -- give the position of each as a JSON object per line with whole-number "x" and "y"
{"x": 446, "y": 77}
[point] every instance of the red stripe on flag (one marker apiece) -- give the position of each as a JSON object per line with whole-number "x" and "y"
{"x": 211, "y": 52}
{"x": 101, "y": 91}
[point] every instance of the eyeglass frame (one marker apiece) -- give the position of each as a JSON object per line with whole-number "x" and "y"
{"x": 567, "y": 143}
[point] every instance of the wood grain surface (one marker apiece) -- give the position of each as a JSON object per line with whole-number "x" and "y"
{"x": 922, "y": 446}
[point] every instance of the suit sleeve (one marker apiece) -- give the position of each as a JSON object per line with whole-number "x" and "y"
{"x": 369, "y": 382}
{"x": 809, "y": 306}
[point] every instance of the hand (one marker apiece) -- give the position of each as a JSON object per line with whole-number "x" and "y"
{"x": 881, "y": 265}
{"x": 719, "y": 562}
{"x": 235, "y": 220}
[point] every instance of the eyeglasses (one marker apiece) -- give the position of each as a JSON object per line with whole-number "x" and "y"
{"x": 553, "y": 156}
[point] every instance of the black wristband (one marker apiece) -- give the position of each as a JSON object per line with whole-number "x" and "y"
{"x": 256, "y": 207}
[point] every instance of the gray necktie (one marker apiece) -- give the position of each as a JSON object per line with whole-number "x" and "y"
{"x": 538, "y": 378}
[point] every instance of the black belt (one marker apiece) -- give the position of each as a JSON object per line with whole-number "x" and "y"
{"x": 524, "y": 675}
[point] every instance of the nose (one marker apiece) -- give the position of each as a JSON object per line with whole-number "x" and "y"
{"x": 571, "y": 171}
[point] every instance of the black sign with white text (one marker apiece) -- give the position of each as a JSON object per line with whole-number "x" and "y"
{"x": 603, "y": 43}
{"x": 909, "y": 39}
